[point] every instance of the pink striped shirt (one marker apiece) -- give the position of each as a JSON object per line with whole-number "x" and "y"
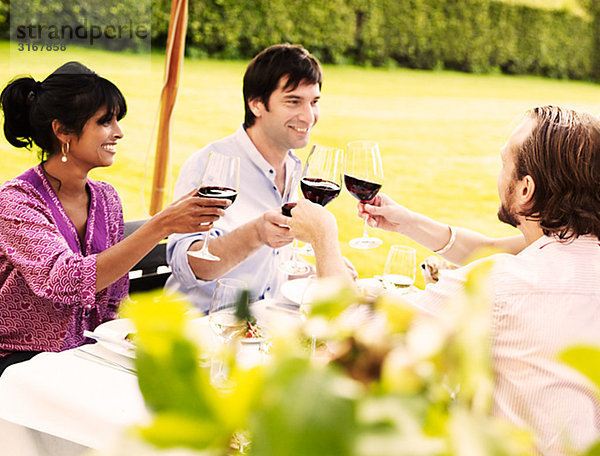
{"x": 544, "y": 300}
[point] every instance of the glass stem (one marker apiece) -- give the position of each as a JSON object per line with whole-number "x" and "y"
{"x": 205, "y": 245}
{"x": 365, "y": 233}
{"x": 294, "y": 253}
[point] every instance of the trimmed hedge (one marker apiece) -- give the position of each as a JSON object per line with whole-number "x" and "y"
{"x": 466, "y": 35}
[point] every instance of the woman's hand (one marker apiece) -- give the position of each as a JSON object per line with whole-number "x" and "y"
{"x": 384, "y": 213}
{"x": 191, "y": 213}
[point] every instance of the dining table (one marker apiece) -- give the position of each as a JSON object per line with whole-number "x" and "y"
{"x": 66, "y": 403}
{"x": 69, "y": 402}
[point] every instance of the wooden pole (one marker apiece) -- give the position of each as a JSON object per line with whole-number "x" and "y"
{"x": 174, "y": 59}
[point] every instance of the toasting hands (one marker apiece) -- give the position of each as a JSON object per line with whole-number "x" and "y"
{"x": 190, "y": 213}
{"x": 384, "y": 213}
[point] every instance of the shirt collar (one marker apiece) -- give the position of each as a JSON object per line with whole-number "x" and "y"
{"x": 257, "y": 158}
{"x": 544, "y": 241}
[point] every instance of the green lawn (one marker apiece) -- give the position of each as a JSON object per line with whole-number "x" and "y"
{"x": 439, "y": 132}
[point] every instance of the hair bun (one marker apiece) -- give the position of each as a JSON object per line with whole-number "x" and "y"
{"x": 16, "y": 100}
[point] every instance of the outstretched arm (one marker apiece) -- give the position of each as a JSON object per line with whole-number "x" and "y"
{"x": 383, "y": 212}
{"x": 234, "y": 247}
{"x": 189, "y": 213}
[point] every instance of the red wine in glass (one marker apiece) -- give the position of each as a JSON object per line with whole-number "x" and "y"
{"x": 219, "y": 193}
{"x": 363, "y": 177}
{"x": 319, "y": 191}
{"x": 286, "y": 209}
{"x": 362, "y": 190}
{"x": 220, "y": 179}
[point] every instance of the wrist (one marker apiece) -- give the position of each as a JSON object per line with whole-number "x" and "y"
{"x": 326, "y": 242}
{"x": 256, "y": 233}
{"x": 159, "y": 226}
{"x": 407, "y": 224}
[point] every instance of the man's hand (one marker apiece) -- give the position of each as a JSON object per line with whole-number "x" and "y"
{"x": 351, "y": 269}
{"x": 272, "y": 229}
{"x": 311, "y": 222}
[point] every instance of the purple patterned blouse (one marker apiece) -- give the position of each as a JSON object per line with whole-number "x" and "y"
{"x": 47, "y": 278}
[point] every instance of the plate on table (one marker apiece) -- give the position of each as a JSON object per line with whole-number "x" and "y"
{"x": 369, "y": 288}
{"x": 199, "y": 331}
{"x": 299, "y": 291}
{"x": 112, "y": 336}
{"x": 303, "y": 290}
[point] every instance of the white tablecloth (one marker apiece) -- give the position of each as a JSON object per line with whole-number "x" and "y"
{"x": 70, "y": 398}
{"x": 62, "y": 404}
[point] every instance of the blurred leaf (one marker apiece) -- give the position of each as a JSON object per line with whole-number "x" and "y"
{"x": 594, "y": 450}
{"x": 304, "y": 411}
{"x": 393, "y": 426}
{"x": 469, "y": 348}
{"x": 585, "y": 359}
{"x": 170, "y": 429}
{"x": 399, "y": 314}
{"x": 170, "y": 378}
{"x": 331, "y": 297}
{"x": 242, "y": 309}
{"x": 235, "y": 408}
{"x": 479, "y": 435}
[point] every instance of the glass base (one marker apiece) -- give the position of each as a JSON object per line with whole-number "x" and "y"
{"x": 306, "y": 250}
{"x": 294, "y": 267}
{"x": 365, "y": 243}
{"x": 203, "y": 255}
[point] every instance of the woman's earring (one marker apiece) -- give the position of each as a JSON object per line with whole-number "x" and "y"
{"x": 65, "y": 150}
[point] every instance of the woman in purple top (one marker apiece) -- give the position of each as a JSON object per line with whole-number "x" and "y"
{"x": 63, "y": 259}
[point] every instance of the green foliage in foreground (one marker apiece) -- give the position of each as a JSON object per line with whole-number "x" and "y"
{"x": 384, "y": 386}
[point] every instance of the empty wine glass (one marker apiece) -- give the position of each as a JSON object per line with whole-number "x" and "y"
{"x": 322, "y": 179}
{"x": 223, "y": 320}
{"x": 400, "y": 267}
{"x": 222, "y": 312}
{"x": 220, "y": 179}
{"x": 363, "y": 177}
{"x": 293, "y": 265}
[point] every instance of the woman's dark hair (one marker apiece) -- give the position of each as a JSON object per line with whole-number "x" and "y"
{"x": 267, "y": 68}
{"x": 71, "y": 95}
{"x": 562, "y": 155}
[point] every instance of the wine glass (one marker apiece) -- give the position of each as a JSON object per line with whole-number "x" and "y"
{"x": 400, "y": 267}
{"x": 220, "y": 179}
{"x": 321, "y": 181}
{"x": 293, "y": 266}
{"x": 363, "y": 177}
{"x": 223, "y": 320}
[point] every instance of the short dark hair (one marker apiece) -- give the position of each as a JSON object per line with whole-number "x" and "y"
{"x": 267, "y": 68}
{"x": 562, "y": 155}
{"x": 72, "y": 95}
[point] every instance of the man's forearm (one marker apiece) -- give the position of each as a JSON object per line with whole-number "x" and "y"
{"x": 328, "y": 258}
{"x": 232, "y": 248}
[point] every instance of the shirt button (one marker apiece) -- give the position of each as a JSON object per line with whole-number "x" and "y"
{"x": 268, "y": 288}
{"x": 274, "y": 188}
{"x": 271, "y": 171}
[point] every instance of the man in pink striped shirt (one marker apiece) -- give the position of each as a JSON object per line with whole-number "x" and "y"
{"x": 544, "y": 299}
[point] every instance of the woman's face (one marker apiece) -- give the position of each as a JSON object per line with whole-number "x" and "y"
{"x": 96, "y": 146}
